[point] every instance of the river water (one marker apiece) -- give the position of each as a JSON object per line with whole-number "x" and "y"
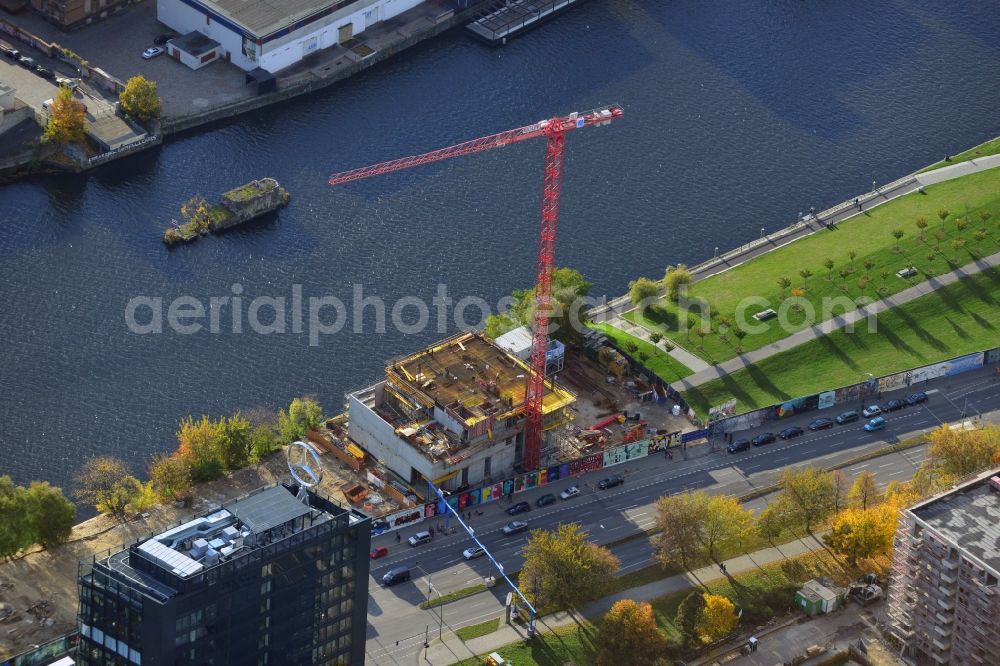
{"x": 738, "y": 116}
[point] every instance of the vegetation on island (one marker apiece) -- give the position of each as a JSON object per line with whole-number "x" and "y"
{"x": 66, "y": 122}
{"x": 198, "y": 216}
{"x": 139, "y": 99}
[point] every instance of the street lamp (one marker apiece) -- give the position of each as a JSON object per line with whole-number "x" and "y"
{"x": 431, "y": 588}
{"x": 761, "y": 233}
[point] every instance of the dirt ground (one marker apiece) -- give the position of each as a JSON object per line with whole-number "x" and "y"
{"x": 41, "y": 586}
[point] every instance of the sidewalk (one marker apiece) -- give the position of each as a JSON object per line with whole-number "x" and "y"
{"x": 453, "y": 649}
{"x": 824, "y": 328}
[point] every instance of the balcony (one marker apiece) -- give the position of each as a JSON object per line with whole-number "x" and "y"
{"x": 943, "y": 618}
{"x": 946, "y": 591}
{"x": 947, "y": 578}
{"x": 943, "y": 646}
{"x": 944, "y": 631}
{"x": 946, "y": 604}
{"x": 940, "y": 658}
{"x": 950, "y": 564}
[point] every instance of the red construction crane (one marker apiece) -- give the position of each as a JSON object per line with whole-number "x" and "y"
{"x": 554, "y": 130}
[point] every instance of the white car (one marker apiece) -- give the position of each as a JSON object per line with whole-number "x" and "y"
{"x": 515, "y": 526}
{"x": 473, "y": 553}
{"x": 151, "y": 52}
{"x": 69, "y": 83}
{"x": 572, "y": 491}
{"x": 871, "y": 410}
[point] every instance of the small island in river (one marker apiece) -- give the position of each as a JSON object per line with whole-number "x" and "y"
{"x": 236, "y": 206}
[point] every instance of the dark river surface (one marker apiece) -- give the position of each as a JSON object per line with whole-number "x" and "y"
{"x": 738, "y": 116}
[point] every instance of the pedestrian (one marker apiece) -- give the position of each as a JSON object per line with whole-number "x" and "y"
{"x": 398, "y": 538}
{"x": 857, "y": 202}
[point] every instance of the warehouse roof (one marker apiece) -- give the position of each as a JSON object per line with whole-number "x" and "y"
{"x": 262, "y": 17}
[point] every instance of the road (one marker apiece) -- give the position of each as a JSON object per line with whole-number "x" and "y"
{"x": 397, "y": 625}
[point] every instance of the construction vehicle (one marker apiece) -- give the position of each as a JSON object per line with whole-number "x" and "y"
{"x": 612, "y": 361}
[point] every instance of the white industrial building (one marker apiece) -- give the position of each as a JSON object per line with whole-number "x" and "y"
{"x": 273, "y": 35}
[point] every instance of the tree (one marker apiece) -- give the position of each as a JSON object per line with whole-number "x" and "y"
{"x": 922, "y": 225}
{"x": 105, "y": 484}
{"x": 303, "y": 415}
{"x": 771, "y": 522}
{"x": 236, "y": 443}
{"x": 674, "y": 279}
{"x": 828, "y": 264}
{"x": 962, "y": 452}
{"x": 628, "y": 635}
{"x": 50, "y": 514}
{"x": 563, "y": 570}
{"x": 702, "y": 332}
{"x": 15, "y": 532}
{"x": 852, "y": 255}
{"x": 740, "y": 333}
{"x": 171, "y": 477}
{"x": 66, "y": 119}
{"x": 961, "y": 223}
{"x": 897, "y": 234}
{"x": 689, "y": 615}
{"x": 858, "y": 534}
{"x": 139, "y": 98}
{"x": 784, "y": 283}
{"x": 631, "y": 346}
{"x": 195, "y": 212}
{"x": 643, "y": 292}
{"x": 869, "y": 265}
{"x": 569, "y": 291}
{"x": 655, "y": 338}
{"x": 943, "y": 214}
{"x": 679, "y": 519}
{"x": 200, "y": 445}
{"x": 864, "y": 491}
{"x": 263, "y": 441}
{"x": 841, "y": 489}
{"x": 811, "y": 493}
{"x": 805, "y": 274}
{"x": 726, "y": 527}
{"x": 718, "y": 618}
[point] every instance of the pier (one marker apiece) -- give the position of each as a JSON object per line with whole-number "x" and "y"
{"x": 513, "y": 17}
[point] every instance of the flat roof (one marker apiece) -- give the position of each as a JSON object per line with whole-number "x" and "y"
{"x": 262, "y": 17}
{"x": 472, "y": 377}
{"x": 268, "y": 509}
{"x": 195, "y": 44}
{"x": 969, "y": 517}
{"x": 516, "y": 340}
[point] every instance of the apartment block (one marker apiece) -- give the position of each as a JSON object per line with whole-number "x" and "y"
{"x": 943, "y": 603}
{"x": 452, "y": 414}
{"x": 69, "y": 14}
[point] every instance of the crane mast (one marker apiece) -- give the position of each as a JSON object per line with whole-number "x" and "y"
{"x": 554, "y": 130}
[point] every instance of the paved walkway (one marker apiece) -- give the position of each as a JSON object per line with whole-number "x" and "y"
{"x": 824, "y": 328}
{"x": 453, "y": 649}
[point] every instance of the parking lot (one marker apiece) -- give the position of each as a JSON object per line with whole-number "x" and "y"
{"x": 116, "y": 44}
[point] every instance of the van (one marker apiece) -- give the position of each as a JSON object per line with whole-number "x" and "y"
{"x": 69, "y": 83}
{"x": 419, "y": 538}
{"x": 847, "y": 417}
{"x": 396, "y": 575}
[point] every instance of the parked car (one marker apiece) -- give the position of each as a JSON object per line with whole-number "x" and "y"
{"x": 520, "y": 507}
{"x": 396, "y": 575}
{"x": 847, "y": 417}
{"x": 45, "y": 73}
{"x": 69, "y": 83}
{"x": 739, "y": 445}
{"x": 572, "y": 491}
{"x": 473, "y": 552}
{"x": 10, "y": 52}
{"x": 610, "y": 482}
{"x": 893, "y": 405}
{"x": 545, "y": 500}
{"x": 152, "y": 52}
{"x": 25, "y": 61}
{"x": 419, "y": 538}
{"x": 763, "y": 438}
{"x": 877, "y": 423}
{"x": 870, "y": 411}
{"x": 789, "y": 433}
{"x": 515, "y": 526}
{"x": 916, "y": 398}
{"x": 378, "y": 551}
{"x": 821, "y": 423}
{"x": 160, "y": 40}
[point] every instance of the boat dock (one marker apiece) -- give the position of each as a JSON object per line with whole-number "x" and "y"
{"x": 513, "y": 17}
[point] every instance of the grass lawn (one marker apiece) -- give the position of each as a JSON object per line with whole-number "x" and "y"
{"x": 660, "y": 362}
{"x": 957, "y": 319}
{"x": 477, "y": 630}
{"x": 991, "y": 147}
{"x": 870, "y": 274}
{"x": 568, "y": 645}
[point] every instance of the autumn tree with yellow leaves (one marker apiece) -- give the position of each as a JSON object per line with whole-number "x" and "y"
{"x": 66, "y": 119}
{"x": 628, "y": 634}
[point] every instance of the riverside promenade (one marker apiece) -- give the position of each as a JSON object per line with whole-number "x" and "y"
{"x": 612, "y": 312}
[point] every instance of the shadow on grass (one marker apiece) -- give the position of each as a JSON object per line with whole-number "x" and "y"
{"x": 761, "y": 379}
{"x": 915, "y": 326}
{"x": 835, "y": 351}
{"x": 900, "y": 344}
{"x": 983, "y": 322}
{"x": 958, "y": 330}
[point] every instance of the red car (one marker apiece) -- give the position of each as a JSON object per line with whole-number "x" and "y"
{"x": 376, "y": 553}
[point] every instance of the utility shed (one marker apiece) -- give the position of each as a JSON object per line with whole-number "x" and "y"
{"x": 815, "y": 598}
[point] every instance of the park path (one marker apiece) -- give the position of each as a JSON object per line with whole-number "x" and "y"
{"x": 611, "y": 313}
{"x": 828, "y": 326}
{"x": 453, "y": 649}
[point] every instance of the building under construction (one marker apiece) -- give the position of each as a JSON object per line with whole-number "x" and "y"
{"x": 943, "y": 598}
{"x": 453, "y": 413}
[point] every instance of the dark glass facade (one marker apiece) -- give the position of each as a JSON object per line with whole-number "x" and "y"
{"x": 297, "y": 596}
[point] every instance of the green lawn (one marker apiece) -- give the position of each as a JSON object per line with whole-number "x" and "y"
{"x": 660, "y": 362}
{"x": 569, "y": 645}
{"x": 477, "y": 630}
{"x": 957, "y": 319}
{"x": 991, "y": 147}
{"x": 869, "y": 236}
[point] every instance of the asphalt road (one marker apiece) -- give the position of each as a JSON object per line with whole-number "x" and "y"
{"x": 397, "y": 625}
